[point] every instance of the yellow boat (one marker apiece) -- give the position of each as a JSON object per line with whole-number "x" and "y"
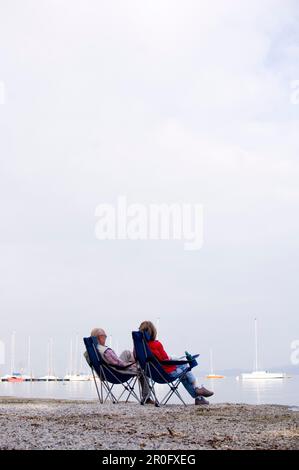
{"x": 212, "y": 375}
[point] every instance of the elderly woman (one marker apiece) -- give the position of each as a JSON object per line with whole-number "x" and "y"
{"x": 189, "y": 381}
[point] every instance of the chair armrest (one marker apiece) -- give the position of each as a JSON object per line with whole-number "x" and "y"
{"x": 173, "y": 363}
{"x": 176, "y": 362}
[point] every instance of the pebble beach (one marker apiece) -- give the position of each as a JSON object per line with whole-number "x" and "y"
{"x": 68, "y": 424}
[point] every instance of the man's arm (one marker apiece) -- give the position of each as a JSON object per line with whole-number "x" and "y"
{"x": 111, "y": 358}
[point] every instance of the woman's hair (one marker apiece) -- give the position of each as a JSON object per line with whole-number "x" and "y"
{"x": 149, "y": 328}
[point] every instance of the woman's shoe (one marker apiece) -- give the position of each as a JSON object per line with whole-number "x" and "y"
{"x": 203, "y": 392}
{"x": 201, "y": 401}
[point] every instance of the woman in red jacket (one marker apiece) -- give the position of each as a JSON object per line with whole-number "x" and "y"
{"x": 189, "y": 381}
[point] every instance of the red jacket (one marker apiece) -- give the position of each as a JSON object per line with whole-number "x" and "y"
{"x": 158, "y": 351}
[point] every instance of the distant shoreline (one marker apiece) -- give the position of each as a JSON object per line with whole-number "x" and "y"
{"x": 27, "y": 423}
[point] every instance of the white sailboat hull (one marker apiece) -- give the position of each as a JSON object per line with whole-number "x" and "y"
{"x": 77, "y": 378}
{"x": 48, "y": 378}
{"x": 262, "y": 375}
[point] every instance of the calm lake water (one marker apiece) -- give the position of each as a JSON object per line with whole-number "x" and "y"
{"x": 227, "y": 390}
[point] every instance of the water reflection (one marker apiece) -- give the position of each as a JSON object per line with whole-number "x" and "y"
{"x": 61, "y": 390}
{"x": 262, "y": 390}
{"x": 227, "y": 390}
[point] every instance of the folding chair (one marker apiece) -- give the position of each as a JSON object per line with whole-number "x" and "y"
{"x": 109, "y": 375}
{"x": 153, "y": 372}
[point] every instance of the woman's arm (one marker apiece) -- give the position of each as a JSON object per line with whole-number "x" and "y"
{"x": 160, "y": 352}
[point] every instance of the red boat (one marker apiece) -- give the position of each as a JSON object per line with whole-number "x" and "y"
{"x": 15, "y": 379}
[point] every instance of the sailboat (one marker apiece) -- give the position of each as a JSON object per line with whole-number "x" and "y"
{"x": 211, "y": 375}
{"x": 75, "y": 376}
{"x": 28, "y": 377}
{"x": 13, "y": 376}
{"x": 50, "y": 377}
{"x": 260, "y": 374}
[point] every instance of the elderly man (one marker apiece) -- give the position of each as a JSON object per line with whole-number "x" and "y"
{"x": 125, "y": 359}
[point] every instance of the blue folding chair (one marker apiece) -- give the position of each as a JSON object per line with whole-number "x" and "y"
{"x": 109, "y": 375}
{"x": 153, "y": 372}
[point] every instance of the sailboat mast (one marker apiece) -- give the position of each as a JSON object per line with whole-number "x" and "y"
{"x": 158, "y": 326}
{"x": 29, "y": 357}
{"x": 71, "y": 358}
{"x": 211, "y": 362}
{"x": 48, "y": 358}
{"x": 81, "y": 364}
{"x": 51, "y": 357}
{"x": 76, "y": 354}
{"x": 13, "y": 345}
{"x": 256, "y": 348}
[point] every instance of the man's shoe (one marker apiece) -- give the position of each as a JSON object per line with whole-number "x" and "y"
{"x": 149, "y": 401}
{"x": 201, "y": 401}
{"x": 203, "y": 392}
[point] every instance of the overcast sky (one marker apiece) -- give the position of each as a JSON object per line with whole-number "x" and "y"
{"x": 166, "y": 102}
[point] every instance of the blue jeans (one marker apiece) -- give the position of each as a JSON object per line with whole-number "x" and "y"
{"x": 188, "y": 381}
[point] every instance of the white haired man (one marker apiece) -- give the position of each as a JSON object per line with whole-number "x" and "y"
{"x": 126, "y": 359}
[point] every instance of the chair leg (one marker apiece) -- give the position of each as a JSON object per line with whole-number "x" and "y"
{"x": 173, "y": 390}
{"x": 102, "y": 391}
{"x": 122, "y": 393}
{"x": 110, "y": 394}
{"x": 167, "y": 396}
{"x": 142, "y": 380}
{"x": 131, "y": 389}
{"x": 100, "y": 396}
{"x": 179, "y": 396}
{"x": 151, "y": 391}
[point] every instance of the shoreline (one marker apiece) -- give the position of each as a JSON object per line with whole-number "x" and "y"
{"x": 34, "y": 423}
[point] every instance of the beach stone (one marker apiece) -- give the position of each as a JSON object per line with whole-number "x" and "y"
{"x": 70, "y": 424}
